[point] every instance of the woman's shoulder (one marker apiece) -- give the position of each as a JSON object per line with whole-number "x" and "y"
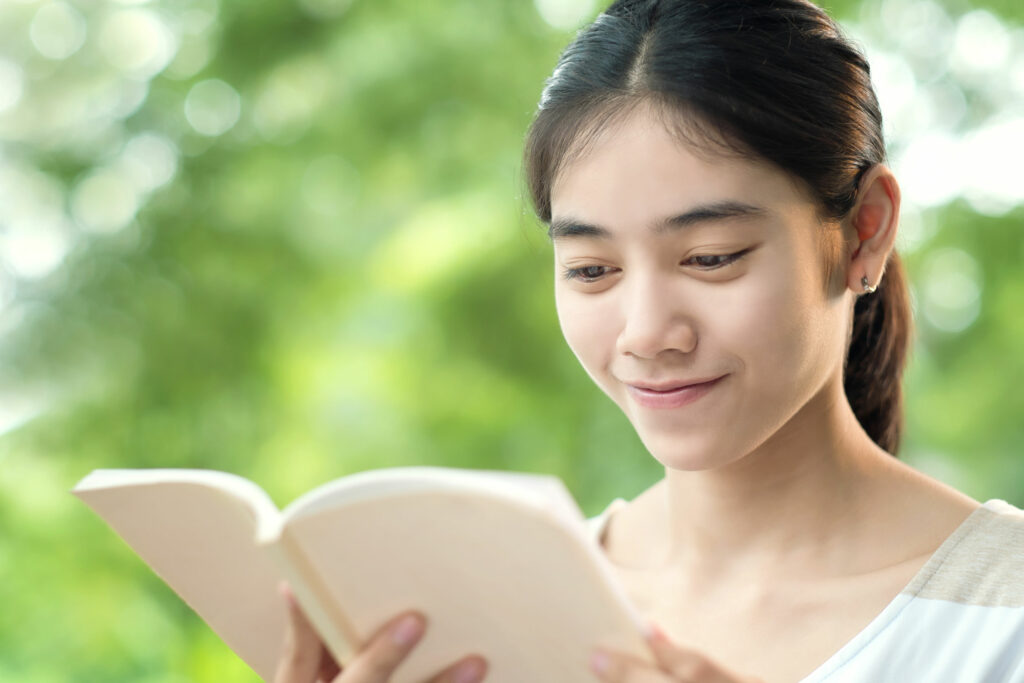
{"x": 962, "y": 617}
{"x": 981, "y": 563}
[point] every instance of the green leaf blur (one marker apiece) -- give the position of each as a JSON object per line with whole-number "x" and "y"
{"x": 290, "y": 240}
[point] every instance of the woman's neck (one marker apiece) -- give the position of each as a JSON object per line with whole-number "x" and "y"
{"x": 799, "y": 502}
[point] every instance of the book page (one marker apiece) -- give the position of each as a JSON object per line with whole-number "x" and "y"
{"x": 540, "y": 491}
{"x": 512, "y": 581}
{"x": 196, "y": 530}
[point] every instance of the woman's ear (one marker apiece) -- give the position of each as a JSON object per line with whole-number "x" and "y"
{"x": 873, "y": 219}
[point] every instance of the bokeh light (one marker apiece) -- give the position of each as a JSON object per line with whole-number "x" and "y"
{"x": 137, "y": 42}
{"x": 212, "y": 107}
{"x": 981, "y": 45}
{"x": 952, "y": 290}
{"x": 565, "y": 14}
{"x": 11, "y": 84}
{"x": 36, "y": 236}
{"x": 150, "y": 160}
{"x": 57, "y": 30}
{"x": 290, "y": 98}
{"x": 105, "y": 200}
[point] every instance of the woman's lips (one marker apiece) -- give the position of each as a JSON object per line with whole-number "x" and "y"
{"x": 672, "y": 398}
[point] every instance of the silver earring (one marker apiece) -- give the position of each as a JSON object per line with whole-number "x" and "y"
{"x": 867, "y": 288}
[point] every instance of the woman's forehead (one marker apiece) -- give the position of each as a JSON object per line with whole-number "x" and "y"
{"x": 637, "y": 166}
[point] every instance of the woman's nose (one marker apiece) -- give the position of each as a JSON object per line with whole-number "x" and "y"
{"x": 654, "y": 322}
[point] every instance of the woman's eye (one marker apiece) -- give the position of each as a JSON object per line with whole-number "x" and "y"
{"x": 712, "y": 261}
{"x": 586, "y": 273}
{"x": 591, "y": 274}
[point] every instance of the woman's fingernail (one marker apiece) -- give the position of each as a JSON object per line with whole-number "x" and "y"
{"x": 654, "y": 632}
{"x": 407, "y": 630}
{"x": 599, "y": 662}
{"x": 469, "y": 672}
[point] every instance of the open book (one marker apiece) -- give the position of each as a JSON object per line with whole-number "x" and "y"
{"x": 501, "y": 563}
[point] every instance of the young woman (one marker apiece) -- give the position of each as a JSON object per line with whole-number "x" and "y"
{"x": 712, "y": 175}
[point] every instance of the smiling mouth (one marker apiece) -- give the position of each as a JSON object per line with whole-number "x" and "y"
{"x": 668, "y": 395}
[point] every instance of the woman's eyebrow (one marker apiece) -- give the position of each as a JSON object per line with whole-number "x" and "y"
{"x": 566, "y": 226}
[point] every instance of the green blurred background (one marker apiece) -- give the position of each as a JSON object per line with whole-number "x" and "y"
{"x": 289, "y": 239}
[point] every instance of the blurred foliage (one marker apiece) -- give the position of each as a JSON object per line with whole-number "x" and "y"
{"x": 289, "y": 240}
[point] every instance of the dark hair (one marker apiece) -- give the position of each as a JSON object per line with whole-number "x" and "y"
{"x": 768, "y": 79}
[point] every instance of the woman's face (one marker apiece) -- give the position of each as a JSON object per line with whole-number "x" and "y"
{"x": 674, "y": 269}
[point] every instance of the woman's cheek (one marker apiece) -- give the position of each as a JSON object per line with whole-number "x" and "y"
{"x": 765, "y": 331}
{"x": 751, "y": 315}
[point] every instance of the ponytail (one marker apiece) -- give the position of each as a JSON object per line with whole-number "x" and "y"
{"x": 879, "y": 343}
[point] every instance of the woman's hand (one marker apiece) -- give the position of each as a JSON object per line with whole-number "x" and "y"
{"x": 306, "y": 660}
{"x": 675, "y": 664}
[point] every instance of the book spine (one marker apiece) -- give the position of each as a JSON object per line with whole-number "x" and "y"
{"x": 314, "y": 598}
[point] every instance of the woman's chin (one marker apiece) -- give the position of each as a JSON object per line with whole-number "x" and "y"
{"x": 689, "y": 453}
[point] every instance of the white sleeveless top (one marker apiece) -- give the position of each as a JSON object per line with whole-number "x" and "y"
{"x": 959, "y": 620}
